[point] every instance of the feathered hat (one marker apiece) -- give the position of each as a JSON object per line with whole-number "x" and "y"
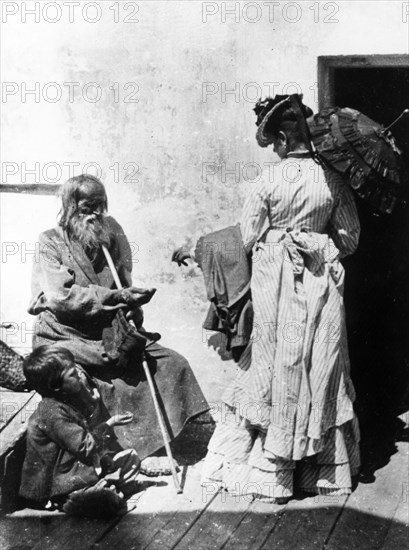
{"x": 271, "y": 111}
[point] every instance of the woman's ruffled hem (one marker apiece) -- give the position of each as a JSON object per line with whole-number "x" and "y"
{"x": 241, "y": 479}
{"x": 280, "y": 441}
{"x": 236, "y": 462}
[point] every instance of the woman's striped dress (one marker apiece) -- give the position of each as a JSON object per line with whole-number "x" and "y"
{"x": 289, "y": 409}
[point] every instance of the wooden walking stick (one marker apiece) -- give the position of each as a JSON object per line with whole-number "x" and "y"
{"x": 150, "y": 383}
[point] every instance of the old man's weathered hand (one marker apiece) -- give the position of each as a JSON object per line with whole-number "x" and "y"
{"x": 134, "y": 297}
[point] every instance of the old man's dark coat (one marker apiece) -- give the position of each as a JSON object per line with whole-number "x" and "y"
{"x": 74, "y": 300}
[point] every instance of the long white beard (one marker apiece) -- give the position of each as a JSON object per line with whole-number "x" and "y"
{"x": 90, "y": 233}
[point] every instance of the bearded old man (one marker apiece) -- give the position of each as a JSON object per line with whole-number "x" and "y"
{"x": 77, "y": 303}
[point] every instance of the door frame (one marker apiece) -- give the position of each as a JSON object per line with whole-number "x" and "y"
{"x": 328, "y": 63}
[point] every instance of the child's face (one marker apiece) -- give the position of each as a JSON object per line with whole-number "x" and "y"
{"x": 70, "y": 381}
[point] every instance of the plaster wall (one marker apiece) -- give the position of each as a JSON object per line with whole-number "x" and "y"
{"x": 171, "y": 135}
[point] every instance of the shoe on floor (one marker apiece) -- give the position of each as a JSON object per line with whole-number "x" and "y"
{"x": 153, "y": 466}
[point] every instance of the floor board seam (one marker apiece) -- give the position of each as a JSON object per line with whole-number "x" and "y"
{"x": 195, "y": 520}
{"x": 110, "y": 527}
{"x": 326, "y": 541}
{"x": 244, "y": 514}
{"x": 280, "y": 513}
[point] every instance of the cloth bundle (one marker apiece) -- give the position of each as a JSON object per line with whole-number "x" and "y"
{"x": 122, "y": 340}
{"x": 227, "y": 272}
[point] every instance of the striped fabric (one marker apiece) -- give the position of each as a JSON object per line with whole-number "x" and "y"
{"x": 292, "y": 389}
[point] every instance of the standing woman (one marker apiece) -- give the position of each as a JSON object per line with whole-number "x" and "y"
{"x": 288, "y": 420}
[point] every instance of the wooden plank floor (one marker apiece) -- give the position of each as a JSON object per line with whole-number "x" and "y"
{"x": 374, "y": 517}
{"x": 164, "y": 520}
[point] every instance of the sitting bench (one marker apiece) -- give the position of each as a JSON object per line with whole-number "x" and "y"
{"x": 15, "y": 410}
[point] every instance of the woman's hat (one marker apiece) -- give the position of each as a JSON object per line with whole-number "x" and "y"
{"x": 266, "y": 110}
{"x": 271, "y": 111}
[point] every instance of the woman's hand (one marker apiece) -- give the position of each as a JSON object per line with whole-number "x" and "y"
{"x": 120, "y": 419}
{"x": 180, "y": 255}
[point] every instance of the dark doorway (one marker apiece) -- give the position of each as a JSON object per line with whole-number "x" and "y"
{"x": 377, "y": 275}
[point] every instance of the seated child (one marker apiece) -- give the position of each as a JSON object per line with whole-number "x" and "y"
{"x": 73, "y": 461}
